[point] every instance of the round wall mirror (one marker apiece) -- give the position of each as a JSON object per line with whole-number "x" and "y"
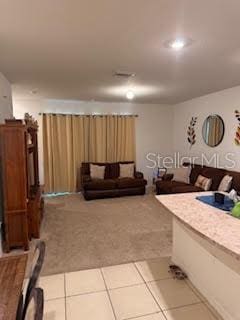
{"x": 213, "y": 130}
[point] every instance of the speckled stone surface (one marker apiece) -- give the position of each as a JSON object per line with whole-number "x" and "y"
{"x": 211, "y": 223}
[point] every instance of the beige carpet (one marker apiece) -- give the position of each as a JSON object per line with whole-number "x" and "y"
{"x": 83, "y": 234}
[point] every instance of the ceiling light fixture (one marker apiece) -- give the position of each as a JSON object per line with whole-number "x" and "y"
{"x": 130, "y": 95}
{"x": 178, "y": 43}
{"x": 124, "y": 74}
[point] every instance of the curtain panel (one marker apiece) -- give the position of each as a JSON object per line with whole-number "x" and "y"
{"x": 69, "y": 140}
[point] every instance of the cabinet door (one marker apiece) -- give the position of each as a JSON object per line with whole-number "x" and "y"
{"x": 14, "y": 168}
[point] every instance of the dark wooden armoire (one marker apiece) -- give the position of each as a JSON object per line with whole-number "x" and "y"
{"x": 21, "y": 192}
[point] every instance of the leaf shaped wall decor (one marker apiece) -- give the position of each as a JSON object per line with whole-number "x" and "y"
{"x": 237, "y": 134}
{"x": 191, "y": 135}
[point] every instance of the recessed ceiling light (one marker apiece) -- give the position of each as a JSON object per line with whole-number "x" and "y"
{"x": 178, "y": 43}
{"x": 130, "y": 95}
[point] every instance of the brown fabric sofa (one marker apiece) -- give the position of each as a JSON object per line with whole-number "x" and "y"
{"x": 168, "y": 186}
{"x": 111, "y": 185}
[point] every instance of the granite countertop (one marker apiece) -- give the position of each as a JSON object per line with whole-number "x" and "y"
{"x": 211, "y": 223}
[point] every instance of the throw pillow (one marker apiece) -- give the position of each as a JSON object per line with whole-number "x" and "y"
{"x": 180, "y": 174}
{"x": 97, "y": 172}
{"x": 203, "y": 182}
{"x": 225, "y": 184}
{"x": 126, "y": 170}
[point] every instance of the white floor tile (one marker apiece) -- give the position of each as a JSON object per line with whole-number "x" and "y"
{"x": 54, "y": 309}
{"x": 130, "y": 302}
{"x": 88, "y": 299}
{"x": 172, "y": 293}
{"x": 53, "y": 286}
{"x": 156, "y": 269}
{"x": 121, "y": 276}
{"x": 93, "y": 306}
{"x": 85, "y": 281}
{"x": 193, "y": 312}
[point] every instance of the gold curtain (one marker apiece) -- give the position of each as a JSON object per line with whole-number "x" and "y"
{"x": 68, "y": 140}
{"x": 58, "y": 153}
{"x": 97, "y": 138}
{"x": 120, "y": 138}
{"x": 80, "y": 128}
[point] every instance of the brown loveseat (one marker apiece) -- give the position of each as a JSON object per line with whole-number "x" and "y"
{"x": 111, "y": 185}
{"x": 167, "y": 185}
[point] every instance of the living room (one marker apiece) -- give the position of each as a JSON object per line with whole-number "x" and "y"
{"x": 120, "y": 171}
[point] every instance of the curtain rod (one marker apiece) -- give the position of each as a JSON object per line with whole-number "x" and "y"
{"x": 90, "y": 115}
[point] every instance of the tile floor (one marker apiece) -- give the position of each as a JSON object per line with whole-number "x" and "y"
{"x": 141, "y": 291}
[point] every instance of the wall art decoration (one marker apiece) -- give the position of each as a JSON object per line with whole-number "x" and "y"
{"x": 237, "y": 134}
{"x": 191, "y": 134}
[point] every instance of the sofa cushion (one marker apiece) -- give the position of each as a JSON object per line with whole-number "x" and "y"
{"x": 180, "y": 174}
{"x": 225, "y": 184}
{"x": 235, "y": 181}
{"x": 195, "y": 172}
{"x": 97, "y": 172}
{"x": 203, "y": 182}
{"x": 126, "y": 170}
{"x": 215, "y": 175}
{"x": 167, "y": 186}
{"x": 187, "y": 188}
{"x": 99, "y": 184}
{"x": 130, "y": 183}
{"x": 85, "y": 169}
{"x": 114, "y": 169}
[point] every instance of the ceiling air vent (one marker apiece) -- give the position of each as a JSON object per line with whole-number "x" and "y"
{"x": 123, "y": 74}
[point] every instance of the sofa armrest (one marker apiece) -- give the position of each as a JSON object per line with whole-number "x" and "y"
{"x": 138, "y": 175}
{"x": 167, "y": 177}
{"x": 85, "y": 178}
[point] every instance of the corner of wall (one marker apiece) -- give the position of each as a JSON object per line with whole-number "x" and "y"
{"x": 6, "y": 106}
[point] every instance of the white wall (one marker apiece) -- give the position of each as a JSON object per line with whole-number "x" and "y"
{"x": 160, "y": 129}
{"x": 153, "y": 132}
{"x": 6, "y": 109}
{"x": 223, "y": 103}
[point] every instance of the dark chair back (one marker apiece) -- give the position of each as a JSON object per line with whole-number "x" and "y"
{"x": 39, "y": 254}
{"x": 35, "y": 306}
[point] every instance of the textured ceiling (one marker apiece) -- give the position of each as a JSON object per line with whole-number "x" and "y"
{"x": 70, "y": 49}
